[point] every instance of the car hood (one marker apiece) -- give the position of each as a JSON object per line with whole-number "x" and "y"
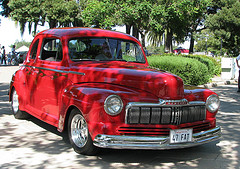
{"x": 160, "y": 83}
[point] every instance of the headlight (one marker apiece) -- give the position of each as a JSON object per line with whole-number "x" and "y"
{"x": 113, "y": 105}
{"x": 212, "y": 103}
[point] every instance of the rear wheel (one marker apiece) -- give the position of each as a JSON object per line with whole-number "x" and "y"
{"x": 18, "y": 114}
{"x": 78, "y": 134}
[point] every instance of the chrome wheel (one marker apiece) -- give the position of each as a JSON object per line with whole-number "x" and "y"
{"x": 15, "y": 103}
{"x": 79, "y": 131}
{"x": 79, "y": 135}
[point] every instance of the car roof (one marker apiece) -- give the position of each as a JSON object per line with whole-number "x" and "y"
{"x": 85, "y": 32}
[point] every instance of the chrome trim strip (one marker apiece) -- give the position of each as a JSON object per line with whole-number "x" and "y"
{"x": 162, "y": 103}
{"x": 196, "y": 103}
{"x": 78, "y": 73}
{"x": 156, "y": 143}
{"x": 54, "y": 70}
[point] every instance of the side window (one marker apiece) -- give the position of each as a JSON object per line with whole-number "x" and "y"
{"x": 33, "y": 52}
{"x": 51, "y": 50}
{"x": 132, "y": 52}
{"x": 78, "y": 49}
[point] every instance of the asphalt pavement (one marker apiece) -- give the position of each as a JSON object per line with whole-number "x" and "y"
{"x": 35, "y": 144}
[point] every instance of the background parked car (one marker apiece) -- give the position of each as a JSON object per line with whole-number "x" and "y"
{"x": 181, "y": 50}
{"x": 22, "y": 53}
{"x": 22, "y": 56}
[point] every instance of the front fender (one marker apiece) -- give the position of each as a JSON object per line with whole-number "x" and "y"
{"x": 193, "y": 93}
{"x": 89, "y": 99}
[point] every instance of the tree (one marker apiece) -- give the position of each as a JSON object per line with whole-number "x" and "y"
{"x": 58, "y": 13}
{"x": 5, "y": 8}
{"x": 155, "y": 40}
{"x": 225, "y": 25}
{"x": 19, "y": 44}
{"x": 136, "y": 14}
{"x": 99, "y": 14}
{"x": 171, "y": 20}
{"x": 61, "y": 13}
{"x": 25, "y": 11}
{"x": 206, "y": 42}
{"x": 197, "y": 13}
{"x": 174, "y": 17}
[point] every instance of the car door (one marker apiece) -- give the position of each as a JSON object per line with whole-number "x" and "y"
{"x": 31, "y": 74}
{"x": 50, "y": 77}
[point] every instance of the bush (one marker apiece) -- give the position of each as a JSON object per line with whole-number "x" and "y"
{"x": 214, "y": 67}
{"x": 192, "y": 71}
{"x": 216, "y": 62}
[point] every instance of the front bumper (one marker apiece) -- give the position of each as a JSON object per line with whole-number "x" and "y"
{"x": 156, "y": 143}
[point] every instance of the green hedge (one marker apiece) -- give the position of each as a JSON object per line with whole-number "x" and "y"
{"x": 214, "y": 67}
{"x": 192, "y": 71}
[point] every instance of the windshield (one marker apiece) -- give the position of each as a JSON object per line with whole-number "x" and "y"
{"x": 104, "y": 49}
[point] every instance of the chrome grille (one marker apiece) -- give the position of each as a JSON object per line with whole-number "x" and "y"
{"x": 173, "y": 115}
{"x": 157, "y": 130}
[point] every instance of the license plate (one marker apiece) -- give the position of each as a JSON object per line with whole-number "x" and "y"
{"x": 181, "y": 135}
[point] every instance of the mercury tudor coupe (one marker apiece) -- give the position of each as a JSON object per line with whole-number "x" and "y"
{"x": 97, "y": 85}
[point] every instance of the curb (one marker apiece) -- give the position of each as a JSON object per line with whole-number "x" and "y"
{"x": 221, "y": 83}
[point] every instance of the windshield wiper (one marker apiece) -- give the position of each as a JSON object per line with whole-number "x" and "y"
{"x": 79, "y": 60}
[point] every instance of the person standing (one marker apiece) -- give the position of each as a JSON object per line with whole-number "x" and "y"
{"x": 237, "y": 59}
{"x": 3, "y": 56}
{"x": 13, "y": 51}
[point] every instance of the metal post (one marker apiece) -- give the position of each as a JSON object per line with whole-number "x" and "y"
{"x": 221, "y": 47}
{"x": 206, "y": 46}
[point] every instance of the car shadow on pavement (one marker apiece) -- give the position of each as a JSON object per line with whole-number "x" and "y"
{"x": 50, "y": 128}
{"x": 57, "y": 143}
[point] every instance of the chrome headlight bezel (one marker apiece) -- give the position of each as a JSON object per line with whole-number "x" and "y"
{"x": 113, "y": 105}
{"x": 212, "y": 103}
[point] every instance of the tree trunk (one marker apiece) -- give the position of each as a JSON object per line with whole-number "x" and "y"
{"x": 53, "y": 24}
{"x": 143, "y": 38}
{"x": 168, "y": 42}
{"x": 128, "y": 29}
{"x": 191, "y": 44}
{"x": 135, "y": 32}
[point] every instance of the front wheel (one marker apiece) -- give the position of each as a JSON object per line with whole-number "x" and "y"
{"x": 78, "y": 134}
{"x": 18, "y": 114}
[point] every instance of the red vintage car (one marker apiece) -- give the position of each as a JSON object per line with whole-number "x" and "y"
{"x": 97, "y": 86}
